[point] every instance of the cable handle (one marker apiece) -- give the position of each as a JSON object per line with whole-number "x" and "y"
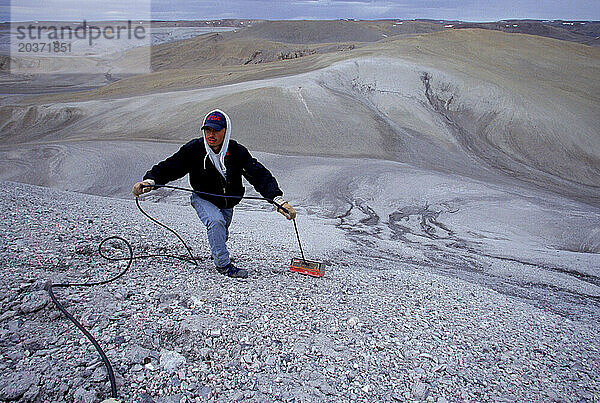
{"x": 299, "y": 243}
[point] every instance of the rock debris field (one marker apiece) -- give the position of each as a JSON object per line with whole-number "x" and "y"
{"x": 370, "y": 330}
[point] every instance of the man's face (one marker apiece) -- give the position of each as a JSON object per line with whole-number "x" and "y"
{"x": 214, "y": 138}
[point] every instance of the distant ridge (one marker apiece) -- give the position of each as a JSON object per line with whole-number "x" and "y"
{"x": 585, "y": 32}
{"x": 336, "y": 31}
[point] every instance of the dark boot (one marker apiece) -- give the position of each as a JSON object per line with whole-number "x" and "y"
{"x": 231, "y": 271}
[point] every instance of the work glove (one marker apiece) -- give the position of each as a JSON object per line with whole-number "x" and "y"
{"x": 142, "y": 187}
{"x": 291, "y": 214}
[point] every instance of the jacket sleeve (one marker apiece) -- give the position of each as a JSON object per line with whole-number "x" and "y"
{"x": 174, "y": 167}
{"x": 259, "y": 176}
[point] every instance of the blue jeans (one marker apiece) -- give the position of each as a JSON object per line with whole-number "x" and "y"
{"x": 217, "y": 221}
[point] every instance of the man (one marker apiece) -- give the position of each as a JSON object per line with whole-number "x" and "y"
{"x": 216, "y": 164}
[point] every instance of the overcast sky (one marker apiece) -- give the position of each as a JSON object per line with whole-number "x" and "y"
{"x": 466, "y": 10}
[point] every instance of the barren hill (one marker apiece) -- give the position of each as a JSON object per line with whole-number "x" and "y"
{"x": 467, "y": 101}
{"x": 272, "y": 41}
{"x": 232, "y": 49}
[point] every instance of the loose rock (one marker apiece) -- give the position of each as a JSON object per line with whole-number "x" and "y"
{"x": 34, "y": 301}
{"x": 171, "y": 361}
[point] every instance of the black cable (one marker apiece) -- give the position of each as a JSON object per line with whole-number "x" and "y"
{"x": 109, "y": 370}
{"x": 130, "y": 259}
{"x": 279, "y": 206}
{"x": 137, "y": 203}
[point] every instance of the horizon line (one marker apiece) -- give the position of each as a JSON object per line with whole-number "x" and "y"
{"x": 306, "y": 19}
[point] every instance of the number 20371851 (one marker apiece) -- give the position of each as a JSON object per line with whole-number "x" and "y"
{"x": 44, "y": 47}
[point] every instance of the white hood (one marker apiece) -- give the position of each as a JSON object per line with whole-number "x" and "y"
{"x": 218, "y": 160}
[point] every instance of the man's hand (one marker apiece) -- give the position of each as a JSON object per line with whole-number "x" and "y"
{"x": 290, "y": 209}
{"x": 291, "y": 214}
{"x": 142, "y": 187}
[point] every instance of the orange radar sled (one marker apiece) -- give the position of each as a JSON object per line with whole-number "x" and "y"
{"x": 303, "y": 266}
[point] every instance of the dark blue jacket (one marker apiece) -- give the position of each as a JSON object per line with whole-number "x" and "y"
{"x": 204, "y": 177}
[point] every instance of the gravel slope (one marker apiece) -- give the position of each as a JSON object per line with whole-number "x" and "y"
{"x": 373, "y": 329}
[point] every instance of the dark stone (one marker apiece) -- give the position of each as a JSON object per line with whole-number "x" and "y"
{"x": 118, "y": 340}
{"x": 33, "y": 346}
